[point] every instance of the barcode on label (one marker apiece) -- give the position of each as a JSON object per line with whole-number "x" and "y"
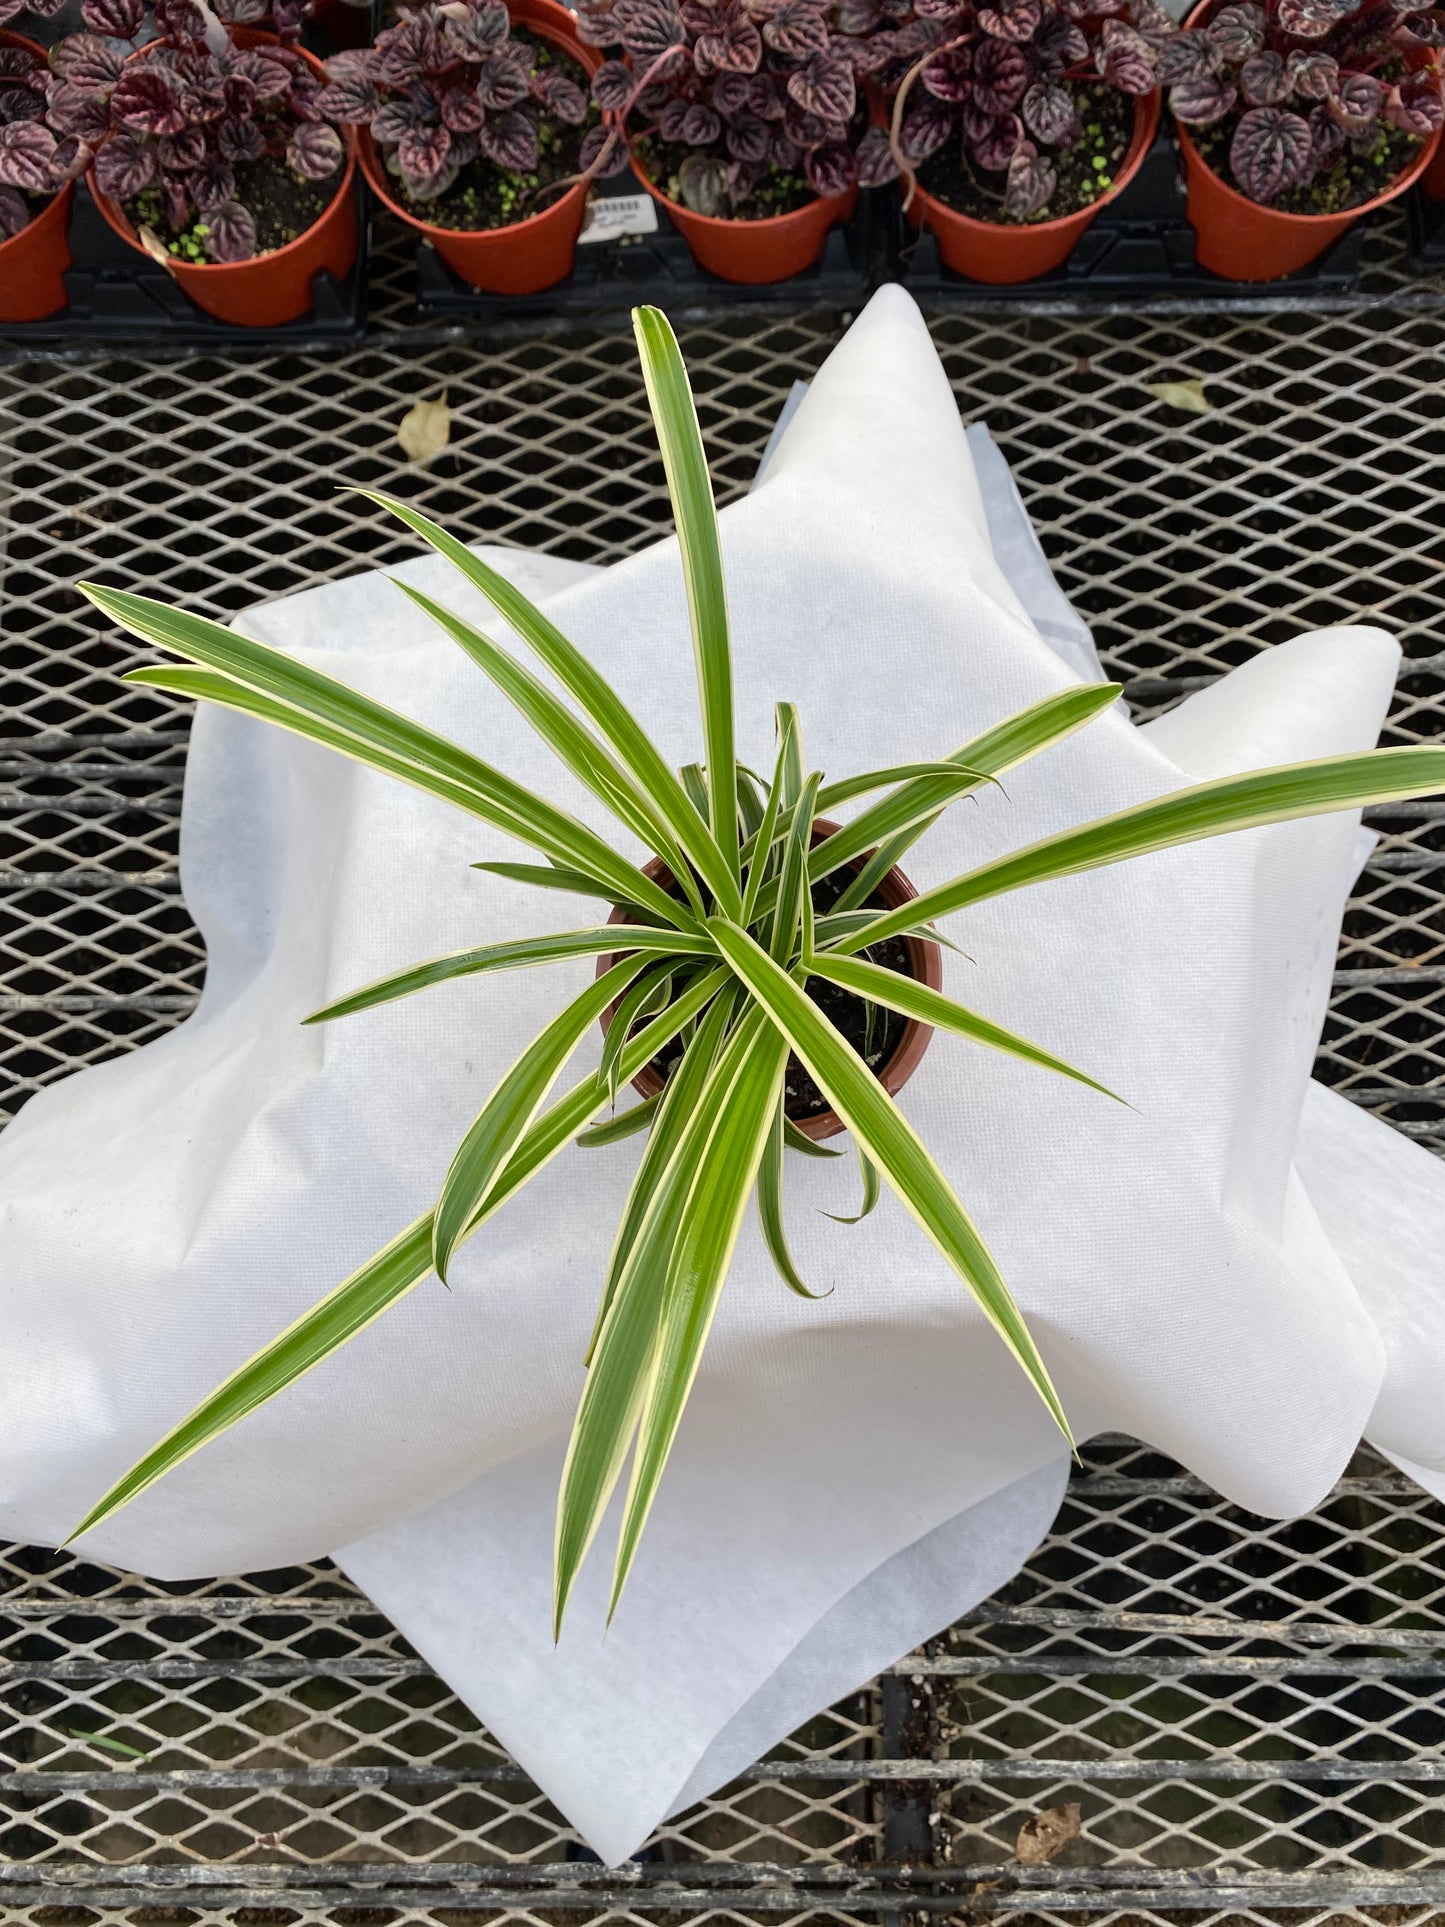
{"x": 609, "y": 218}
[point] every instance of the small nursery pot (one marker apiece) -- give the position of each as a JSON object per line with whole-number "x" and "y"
{"x": 1003, "y": 253}
{"x": 1243, "y": 241}
{"x": 273, "y": 288}
{"x": 754, "y": 252}
{"x": 925, "y": 964}
{"x": 1433, "y": 179}
{"x": 529, "y": 255}
{"x": 33, "y": 262}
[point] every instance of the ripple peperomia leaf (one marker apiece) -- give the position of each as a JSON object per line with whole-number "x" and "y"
{"x": 1272, "y": 150}
{"x": 14, "y": 210}
{"x": 113, "y": 19}
{"x": 1050, "y": 115}
{"x": 1030, "y": 183}
{"x": 1012, "y": 19}
{"x": 1263, "y": 81}
{"x": 1238, "y": 32}
{"x": 27, "y": 153}
{"x": 231, "y": 233}
{"x": 1202, "y": 101}
{"x": 315, "y": 152}
{"x": 124, "y": 166}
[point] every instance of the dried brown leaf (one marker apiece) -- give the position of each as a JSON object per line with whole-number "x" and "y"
{"x": 1048, "y": 1833}
{"x": 1186, "y": 395}
{"x": 425, "y": 429}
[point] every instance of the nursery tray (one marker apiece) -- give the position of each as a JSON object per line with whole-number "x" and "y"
{"x": 1139, "y": 250}
{"x": 612, "y": 277}
{"x": 120, "y": 296}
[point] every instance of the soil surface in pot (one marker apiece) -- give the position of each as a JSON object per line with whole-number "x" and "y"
{"x": 282, "y": 207}
{"x": 873, "y": 1032}
{"x": 485, "y": 196}
{"x": 1354, "y": 179}
{"x": 1085, "y": 172}
{"x": 778, "y": 192}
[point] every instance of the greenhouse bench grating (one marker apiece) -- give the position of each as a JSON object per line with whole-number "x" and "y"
{"x": 1250, "y": 1714}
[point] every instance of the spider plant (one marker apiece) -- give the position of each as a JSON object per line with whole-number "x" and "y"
{"x": 717, "y": 966}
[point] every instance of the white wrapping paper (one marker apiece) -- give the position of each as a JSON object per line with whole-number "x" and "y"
{"x": 850, "y": 1474}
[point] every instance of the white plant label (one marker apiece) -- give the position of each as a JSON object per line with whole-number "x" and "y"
{"x": 616, "y": 215}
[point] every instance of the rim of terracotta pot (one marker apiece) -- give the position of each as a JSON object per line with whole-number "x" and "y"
{"x": 8, "y": 38}
{"x": 1147, "y": 111}
{"x": 1405, "y": 178}
{"x": 553, "y": 23}
{"x": 719, "y": 223}
{"x": 115, "y": 216}
{"x": 926, "y": 967}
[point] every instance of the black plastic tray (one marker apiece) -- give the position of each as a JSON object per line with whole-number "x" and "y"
{"x": 119, "y": 296}
{"x": 1424, "y": 232}
{"x": 1139, "y": 249}
{"x": 612, "y": 277}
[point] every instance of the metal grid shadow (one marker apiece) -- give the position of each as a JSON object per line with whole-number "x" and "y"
{"x": 1249, "y": 1713}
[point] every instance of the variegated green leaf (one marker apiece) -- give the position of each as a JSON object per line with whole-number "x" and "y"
{"x": 715, "y": 1180}
{"x": 566, "y": 736}
{"x": 1216, "y": 808}
{"x": 588, "y": 686}
{"x": 695, "y": 516}
{"x": 512, "y": 1105}
{"x": 370, "y": 734}
{"x": 387, "y": 1277}
{"x": 887, "y": 1138}
{"x": 518, "y": 955}
{"x": 770, "y": 1209}
{"x": 624, "y": 1347}
{"x": 889, "y": 987}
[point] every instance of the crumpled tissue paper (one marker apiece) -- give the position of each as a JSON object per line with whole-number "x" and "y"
{"x": 1242, "y": 1270}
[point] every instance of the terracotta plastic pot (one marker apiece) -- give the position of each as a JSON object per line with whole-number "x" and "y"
{"x": 1243, "y": 241}
{"x": 1433, "y": 179}
{"x": 1004, "y": 253}
{"x": 755, "y": 252}
{"x": 925, "y": 963}
{"x": 273, "y": 288}
{"x": 529, "y": 255}
{"x": 33, "y": 262}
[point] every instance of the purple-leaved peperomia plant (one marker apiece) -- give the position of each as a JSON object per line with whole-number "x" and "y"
{"x": 34, "y": 165}
{"x": 748, "y": 87}
{"x": 180, "y": 122}
{"x": 451, "y": 83}
{"x": 1308, "y": 84}
{"x": 1002, "y": 79}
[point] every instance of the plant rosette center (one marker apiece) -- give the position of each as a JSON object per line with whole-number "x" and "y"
{"x": 890, "y": 1044}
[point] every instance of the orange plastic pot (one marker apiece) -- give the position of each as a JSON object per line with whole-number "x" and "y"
{"x": 925, "y": 966}
{"x": 755, "y": 252}
{"x": 1243, "y": 241}
{"x": 1005, "y": 253}
{"x": 529, "y": 255}
{"x": 272, "y": 288}
{"x": 33, "y": 262}
{"x": 1433, "y": 179}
